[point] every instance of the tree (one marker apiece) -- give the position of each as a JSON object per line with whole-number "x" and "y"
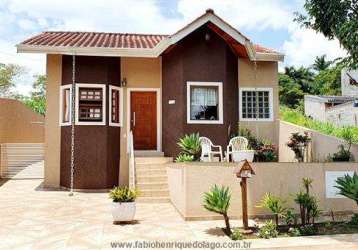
{"x": 328, "y": 81}
{"x": 8, "y": 74}
{"x": 320, "y": 63}
{"x": 302, "y": 76}
{"x": 334, "y": 19}
{"x": 290, "y": 92}
{"x": 37, "y": 100}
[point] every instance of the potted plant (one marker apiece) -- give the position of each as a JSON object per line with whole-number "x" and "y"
{"x": 123, "y": 205}
{"x": 298, "y": 144}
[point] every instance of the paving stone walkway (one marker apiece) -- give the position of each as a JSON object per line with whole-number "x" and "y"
{"x": 34, "y": 218}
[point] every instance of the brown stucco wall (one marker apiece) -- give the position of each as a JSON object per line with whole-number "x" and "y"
{"x": 194, "y": 59}
{"x": 52, "y": 128}
{"x": 189, "y": 181}
{"x": 19, "y": 124}
{"x": 97, "y": 148}
{"x": 140, "y": 73}
{"x": 261, "y": 75}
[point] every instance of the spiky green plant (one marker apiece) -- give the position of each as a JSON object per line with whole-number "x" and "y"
{"x": 218, "y": 201}
{"x": 183, "y": 157}
{"x": 123, "y": 194}
{"x": 275, "y": 204}
{"x": 307, "y": 183}
{"x": 190, "y": 144}
{"x": 348, "y": 186}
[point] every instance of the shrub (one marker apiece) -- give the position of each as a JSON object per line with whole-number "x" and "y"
{"x": 218, "y": 201}
{"x": 308, "y": 229}
{"x": 294, "y": 232}
{"x": 190, "y": 145}
{"x": 123, "y": 194}
{"x": 237, "y": 235}
{"x": 268, "y": 230}
{"x": 274, "y": 204}
{"x": 183, "y": 157}
{"x": 354, "y": 220}
{"x": 342, "y": 155}
{"x": 309, "y": 209}
{"x": 289, "y": 217}
{"x": 348, "y": 186}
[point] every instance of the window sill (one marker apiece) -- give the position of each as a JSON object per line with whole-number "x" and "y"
{"x": 204, "y": 122}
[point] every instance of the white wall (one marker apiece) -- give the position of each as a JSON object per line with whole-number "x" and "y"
{"x": 343, "y": 115}
{"x": 315, "y": 109}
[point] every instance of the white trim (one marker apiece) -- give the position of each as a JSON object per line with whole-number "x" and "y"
{"x": 221, "y": 106}
{"x": 159, "y": 106}
{"x": 62, "y": 88}
{"x": 120, "y": 90}
{"x": 87, "y": 85}
{"x": 270, "y": 90}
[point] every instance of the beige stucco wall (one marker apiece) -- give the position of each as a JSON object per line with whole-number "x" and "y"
{"x": 52, "y": 128}
{"x": 188, "y": 182}
{"x": 19, "y": 124}
{"x": 261, "y": 75}
{"x": 140, "y": 73}
{"x": 321, "y": 145}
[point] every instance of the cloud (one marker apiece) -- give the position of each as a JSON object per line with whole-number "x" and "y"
{"x": 304, "y": 45}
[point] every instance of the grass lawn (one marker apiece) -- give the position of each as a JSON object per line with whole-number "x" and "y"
{"x": 296, "y": 117}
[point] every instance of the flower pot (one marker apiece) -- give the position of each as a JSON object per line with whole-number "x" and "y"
{"x": 123, "y": 211}
{"x": 241, "y": 155}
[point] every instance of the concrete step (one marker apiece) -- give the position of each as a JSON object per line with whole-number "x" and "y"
{"x": 153, "y": 160}
{"x": 153, "y": 199}
{"x": 154, "y": 193}
{"x": 151, "y": 178}
{"x": 152, "y": 185}
{"x": 151, "y": 171}
{"x": 140, "y": 167}
{"x": 146, "y": 153}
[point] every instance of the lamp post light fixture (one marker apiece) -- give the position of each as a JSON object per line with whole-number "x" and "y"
{"x": 244, "y": 172}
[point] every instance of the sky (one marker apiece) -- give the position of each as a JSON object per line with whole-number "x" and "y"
{"x": 266, "y": 22}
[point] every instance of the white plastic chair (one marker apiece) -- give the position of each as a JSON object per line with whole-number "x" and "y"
{"x": 238, "y": 144}
{"x": 207, "y": 151}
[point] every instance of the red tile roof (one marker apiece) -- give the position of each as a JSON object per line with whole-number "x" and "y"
{"x": 104, "y": 40}
{"x": 94, "y": 39}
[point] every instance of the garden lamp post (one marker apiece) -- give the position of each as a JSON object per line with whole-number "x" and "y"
{"x": 244, "y": 172}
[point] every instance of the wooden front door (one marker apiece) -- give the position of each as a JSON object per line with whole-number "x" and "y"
{"x": 144, "y": 119}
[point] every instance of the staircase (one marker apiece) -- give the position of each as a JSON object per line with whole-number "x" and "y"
{"x": 151, "y": 178}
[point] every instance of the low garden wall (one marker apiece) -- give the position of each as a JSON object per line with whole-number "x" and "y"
{"x": 189, "y": 181}
{"x": 321, "y": 146}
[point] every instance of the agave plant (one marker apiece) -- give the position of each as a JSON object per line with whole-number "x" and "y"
{"x": 348, "y": 186}
{"x": 218, "y": 201}
{"x": 183, "y": 157}
{"x": 190, "y": 145}
{"x": 273, "y": 203}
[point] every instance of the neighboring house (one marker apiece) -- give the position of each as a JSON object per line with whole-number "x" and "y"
{"x": 206, "y": 78}
{"x": 339, "y": 110}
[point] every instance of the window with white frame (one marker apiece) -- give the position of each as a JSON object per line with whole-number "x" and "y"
{"x": 204, "y": 102}
{"x": 90, "y": 104}
{"x": 65, "y": 105}
{"x": 256, "y": 104}
{"x": 115, "y": 106}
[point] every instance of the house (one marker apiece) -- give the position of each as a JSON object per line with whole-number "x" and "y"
{"x": 207, "y": 78}
{"x": 339, "y": 110}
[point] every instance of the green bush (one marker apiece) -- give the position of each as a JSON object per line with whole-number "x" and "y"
{"x": 273, "y": 203}
{"x": 296, "y": 117}
{"x": 268, "y": 230}
{"x": 183, "y": 157}
{"x": 308, "y": 229}
{"x": 342, "y": 155}
{"x": 190, "y": 145}
{"x": 218, "y": 201}
{"x": 348, "y": 186}
{"x": 123, "y": 194}
{"x": 354, "y": 220}
{"x": 289, "y": 217}
{"x": 237, "y": 235}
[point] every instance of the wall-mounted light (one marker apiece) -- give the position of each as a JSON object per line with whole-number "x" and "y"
{"x": 124, "y": 82}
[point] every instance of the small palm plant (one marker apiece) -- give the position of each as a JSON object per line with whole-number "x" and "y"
{"x": 218, "y": 201}
{"x": 190, "y": 145}
{"x": 307, "y": 183}
{"x": 348, "y": 186}
{"x": 275, "y": 204}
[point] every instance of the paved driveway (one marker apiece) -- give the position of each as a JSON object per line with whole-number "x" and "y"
{"x": 33, "y": 218}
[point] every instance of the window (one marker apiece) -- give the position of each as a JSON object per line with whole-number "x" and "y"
{"x": 115, "y": 106}
{"x": 256, "y": 104}
{"x": 65, "y": 105}
{"x": 204, "y": 102}
{"x": 90, "y": 104}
